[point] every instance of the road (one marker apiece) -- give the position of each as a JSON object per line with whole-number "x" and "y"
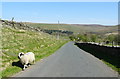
{"x": 69, "y": 61}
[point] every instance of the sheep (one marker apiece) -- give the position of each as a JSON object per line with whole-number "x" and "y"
{"x": 26, "y": 59}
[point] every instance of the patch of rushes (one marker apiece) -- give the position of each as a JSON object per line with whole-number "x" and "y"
{"x": 15, "y": 41}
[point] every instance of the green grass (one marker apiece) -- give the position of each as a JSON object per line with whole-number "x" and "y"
{"x": 15, "y": 41}
{"x": 112, "y": 66}
{"x": 10, "y": 71}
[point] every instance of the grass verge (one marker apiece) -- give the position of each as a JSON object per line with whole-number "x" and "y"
{"x": 112, "y": 66}
{"x": 110, "y": 56}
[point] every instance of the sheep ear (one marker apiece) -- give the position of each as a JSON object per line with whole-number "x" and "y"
{"x": 18, "y": 57}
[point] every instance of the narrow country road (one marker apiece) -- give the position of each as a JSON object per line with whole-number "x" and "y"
{"x": 69, "y": 61}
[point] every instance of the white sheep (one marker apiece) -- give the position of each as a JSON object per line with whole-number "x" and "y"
{"x": 26, "y": 59}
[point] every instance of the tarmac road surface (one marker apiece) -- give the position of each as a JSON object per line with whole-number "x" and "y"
{"x": 69, "y": 61}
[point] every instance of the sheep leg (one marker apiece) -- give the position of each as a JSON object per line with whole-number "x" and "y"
{"x": 28, "y": 64}
{"x": 33, "y": 61}
{"x": 24, "y": 67}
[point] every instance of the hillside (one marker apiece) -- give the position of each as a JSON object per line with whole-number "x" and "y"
{"x": 66, "y": 28}
{"x": 76, "y": 28}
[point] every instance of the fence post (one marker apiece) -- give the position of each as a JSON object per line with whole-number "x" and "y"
{"x": 12, "y": 21}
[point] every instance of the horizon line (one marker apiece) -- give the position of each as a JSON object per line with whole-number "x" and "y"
{"x": 66, "y": 23}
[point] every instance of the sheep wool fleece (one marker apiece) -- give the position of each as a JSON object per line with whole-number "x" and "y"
{"x": 28, "y": 58}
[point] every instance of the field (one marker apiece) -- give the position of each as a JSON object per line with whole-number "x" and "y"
{"x": 18, "y": 40}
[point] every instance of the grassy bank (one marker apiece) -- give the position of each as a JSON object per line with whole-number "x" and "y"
{"x": 16, "y": 40}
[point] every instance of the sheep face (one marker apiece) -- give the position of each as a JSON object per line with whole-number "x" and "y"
{"x": 20, "y": 55}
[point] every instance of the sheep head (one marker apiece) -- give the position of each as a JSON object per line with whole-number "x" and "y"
{"x": 20, "y": 55}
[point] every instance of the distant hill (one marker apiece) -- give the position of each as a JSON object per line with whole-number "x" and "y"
{"x": 77, "y": 28}
{"x": 88, "y": 25}
{"x": 66, "y": 28}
